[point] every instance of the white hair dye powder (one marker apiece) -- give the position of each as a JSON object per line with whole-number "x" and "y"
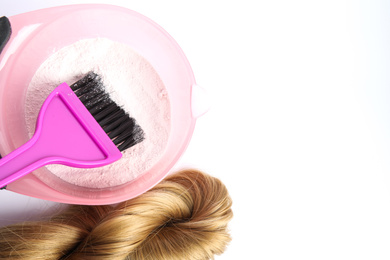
{"x": 131, "y": 82}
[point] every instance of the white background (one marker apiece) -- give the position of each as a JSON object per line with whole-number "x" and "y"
{"x": 299, "y": 129}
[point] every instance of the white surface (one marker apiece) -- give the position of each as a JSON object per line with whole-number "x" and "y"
{"x": 299, "y": 129}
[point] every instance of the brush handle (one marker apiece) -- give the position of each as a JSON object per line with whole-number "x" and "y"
{"x": 66, "y": 133}
{"x": 22, "y": 161}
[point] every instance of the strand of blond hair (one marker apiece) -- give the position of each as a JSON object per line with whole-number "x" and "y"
{"x": 183, "y": 217}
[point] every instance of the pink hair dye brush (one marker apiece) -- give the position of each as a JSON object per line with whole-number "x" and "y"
{"x": 78, "y": 126}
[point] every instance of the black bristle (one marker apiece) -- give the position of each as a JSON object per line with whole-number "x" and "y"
{"x": 138, "y": 136}
{"x": 118, "y": 125}
{"x": 120, "y": 130}
{"x": 108, "y": 110}
{"x": 91, "y": 76}
{"x": 97, "y": 105}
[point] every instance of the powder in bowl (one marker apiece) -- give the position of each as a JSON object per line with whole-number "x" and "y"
{"x": 131, "y": 82}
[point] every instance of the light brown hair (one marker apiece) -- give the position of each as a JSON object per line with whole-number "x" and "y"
{"x": 184, "y": 217}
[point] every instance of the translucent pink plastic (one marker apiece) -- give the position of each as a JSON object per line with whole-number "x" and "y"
{"x": 66, "y": 133}
{"x": 37, "y": 35}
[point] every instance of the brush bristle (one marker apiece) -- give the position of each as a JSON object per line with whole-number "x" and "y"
{"x": 118, "y": 125}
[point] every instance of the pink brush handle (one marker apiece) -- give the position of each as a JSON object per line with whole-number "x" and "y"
{"x": 23, "y": 160}
{"x": 66, "y": 133}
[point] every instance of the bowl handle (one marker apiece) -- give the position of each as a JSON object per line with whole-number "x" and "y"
{"x": 200, "y": 101}
{"x": 5, "y": 32}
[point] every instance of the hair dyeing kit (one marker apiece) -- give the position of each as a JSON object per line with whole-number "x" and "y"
{"x": 80, "y": 126}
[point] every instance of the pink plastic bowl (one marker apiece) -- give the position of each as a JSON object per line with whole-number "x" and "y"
{"x": 36, "y": 35}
